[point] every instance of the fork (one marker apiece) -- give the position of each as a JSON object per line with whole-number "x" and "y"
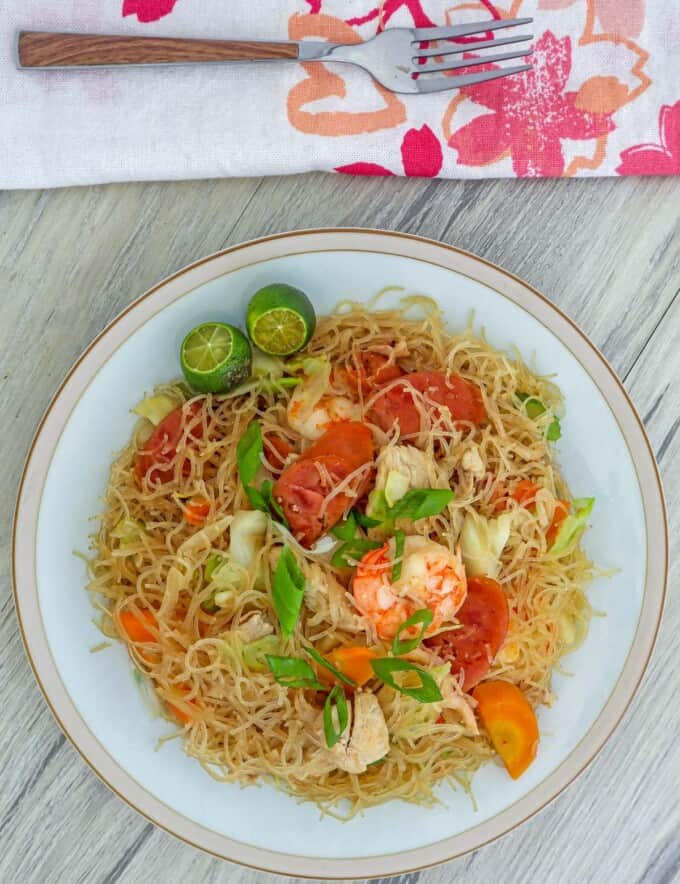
{"x": 401, "y": 59}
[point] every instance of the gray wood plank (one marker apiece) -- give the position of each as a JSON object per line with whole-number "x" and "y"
{"x": 606, "y": 251}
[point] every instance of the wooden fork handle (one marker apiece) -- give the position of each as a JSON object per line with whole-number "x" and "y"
{"x": 40, "y": 49}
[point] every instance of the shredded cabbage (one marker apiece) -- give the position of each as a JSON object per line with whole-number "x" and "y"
{"x": 317, "y": 371}
{"x": 266, "y": 366}
{"x": 247, "y": 533}
{"x": 482, "y": 541}
{"x": 254, "y": 652}
{"x": 156, "y": 408}
{"x": 396, "y": 486}
{"x": 376, "y": 507}
{"x": 129, "y": 531}
{"x": 573, "y": 526}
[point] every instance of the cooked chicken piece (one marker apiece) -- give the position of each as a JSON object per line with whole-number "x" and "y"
{"x": 419, "y": 469}
{"x": 324, "y": 592}
{"x": 365, "y": 739}
{"x": 471, "y": 462}
{"x": 254, "y": 628}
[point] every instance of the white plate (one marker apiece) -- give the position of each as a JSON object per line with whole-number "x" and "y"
{"x": 604, "y": 453}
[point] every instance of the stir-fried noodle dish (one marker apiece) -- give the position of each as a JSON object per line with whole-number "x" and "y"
{"x": 341, "y": 554}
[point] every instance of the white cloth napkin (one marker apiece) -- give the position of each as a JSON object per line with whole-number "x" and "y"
{"x": 603, "y": 98}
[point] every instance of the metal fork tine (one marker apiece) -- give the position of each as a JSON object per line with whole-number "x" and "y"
{"x": 453, "y": 48}
{"x": 478, "y": 27}
{"x": 469, "y": 62}
{"x": 439, "y": 84}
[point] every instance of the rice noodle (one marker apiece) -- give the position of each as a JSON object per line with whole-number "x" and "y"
{"x": 242, "y": 725}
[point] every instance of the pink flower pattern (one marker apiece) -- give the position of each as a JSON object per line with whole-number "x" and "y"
{"x": 148, "y": 10}
{"x": 421, "y": 156}
{"x": 656, "y": 159}
{"x": 531, "y": 116}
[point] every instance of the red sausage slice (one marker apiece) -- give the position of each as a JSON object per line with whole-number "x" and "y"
{"x": 155, "y": 461}
{"x": 303, "y": 486}
{"x": 461, "y": 397}
{"x": 372, "y": 370}
{"x": 484, "y": 617}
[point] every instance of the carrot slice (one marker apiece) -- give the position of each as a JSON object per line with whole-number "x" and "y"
{"x": 195, "y": 511}
{"x": 137, "y": 629}
{"x": 354, "y": 662}
{"x": 525, "y": 492}
{"x": 180, "y": 714}
{"x": 560, "y": 513}
{"x": 510, "y": 723}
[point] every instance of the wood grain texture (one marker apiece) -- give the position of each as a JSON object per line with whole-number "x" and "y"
{"x": 606, "y": 251}
{"x": 40, "y": 49}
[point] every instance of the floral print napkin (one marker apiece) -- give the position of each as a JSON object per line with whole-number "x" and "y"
{"x": 603, "y": 97}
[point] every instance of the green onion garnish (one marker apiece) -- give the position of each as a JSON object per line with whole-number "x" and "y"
{"x": 347, "y": 529}
{"x": 249, "y": 459}
{"x": 427, "y": 692}
{"x": 288, "y": 591}
{"x": 399, "y": 540}
{"x": 315, "y": 655}
{"x": 335, "y": 702}
{"x": 292, "y": 672}
{"x": 249, "y": 454}
{"x": 365, "y": 521}
{"x": 353, "y": 549}
{"x": 419, "y": 503}
{"x": 423, "y": 618}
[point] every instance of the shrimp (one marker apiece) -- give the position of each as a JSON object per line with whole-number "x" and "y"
{"x": 313, "y": 423}
{"x": 431, "y": 577}
{"x": 311, "y": 409}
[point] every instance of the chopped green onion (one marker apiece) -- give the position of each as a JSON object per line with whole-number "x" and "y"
{"x": 346, "y": 529}
{"x": 335, "y": 702}
{"x": 419, "y": 503}
{"x": 365, "y": 521}
{"x": 256, "y": 498}
{"x": 427, "y": 692}
{"x": 424, "y": 618}
{"x": 292, "y": 672}
{"x": 212, "y": 564}
{"x": 399, "y": 540}
{"x": 376, "y": 510}
{"x": 272, "y": 503}
{"x": 288, "y": 591}
{"x": 554, "y": 431}
{"x": 249, "y": 459}
{"x": 329, "y": 666}
{"x": 249, "y": 454}
{"x": 354, "y": 549}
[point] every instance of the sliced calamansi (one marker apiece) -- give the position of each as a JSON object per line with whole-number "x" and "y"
{"x": 215, "y": 357}
{"x": 280, "y": 319}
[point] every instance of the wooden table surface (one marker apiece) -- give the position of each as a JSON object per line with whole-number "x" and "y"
{"x": 606, "y": 251}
